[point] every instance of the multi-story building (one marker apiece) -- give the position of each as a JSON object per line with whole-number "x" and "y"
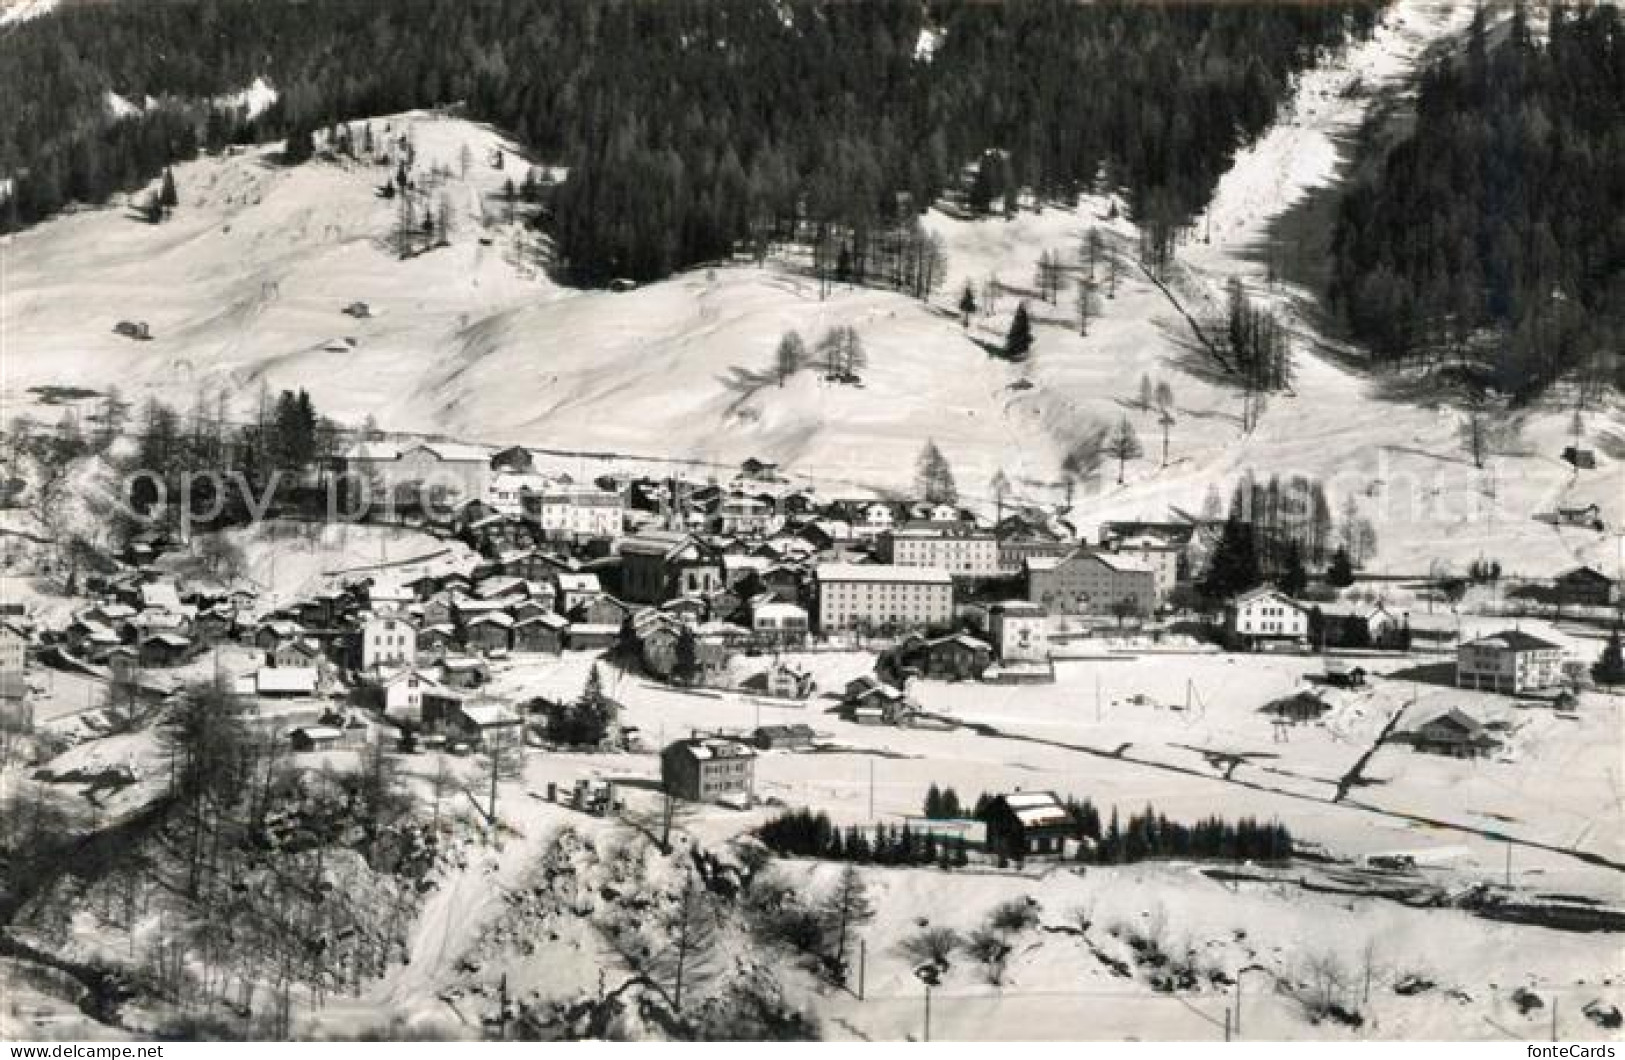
{"x": 417, "y": 474}
{"x": 956, "y": 547}
{"x": 1509, "y": 661}
{"x": 742, "y": 514}
{"x": 565, "y": 512}
{"x": 1586, "y": 586}
{"x": 659, "y": 565}
{"x": 705, "y": 769}
{"x": 1162, "y": 556}
{"x": 780, "y": 623}
{"x": 1265, "y": 615}
{"x": 13, "y": 662}
{"x": 1014, "y": 552}
{"x": 882, "y": 596}
{"x": 385, "y": 640}
{"x": 507, "y": 490}
{"x": 1092, "y": 583}
{"x": 1020, "y": 631}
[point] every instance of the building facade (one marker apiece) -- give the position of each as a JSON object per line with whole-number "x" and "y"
{"x": 1092, "y": 583}
{"x": 956, "y": 547}
{"x": 1266, "y": 615}
{"x": 446, "y": 471}
{"x": 385, "y": 641}
{"x": 1163, "y": 558}
{"x": 882, "y": 596}
{"x": 13, "y": 662}
{"x": 1510, "y": 661}
{"x": 705, "y": 769}
{"x": 1020, "y": 631}
{"x": 658, "y": 565}
{"x": 576, "y": 513}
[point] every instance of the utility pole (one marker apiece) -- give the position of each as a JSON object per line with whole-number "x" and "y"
{"x": 863, "y": 965}
{"x": 871, "y": 790}
{"x": 928, "y": 1015}
{"x": 1509, "y": 864}
{"x": 1226, "y": 1024}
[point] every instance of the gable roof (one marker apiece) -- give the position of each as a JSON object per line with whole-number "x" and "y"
{"x": 1455, "y": 719}
{"x": 1586, "y": 574}
{"x": 1265, "y": 592}
{"x": 488, "y": 715}
{"x": 1514, "y": 640}
{"x": 547, "y": 620}
{"x": 882, "y": 573}
{"x": 1037, "y": 809}
{"x": 285, "y": 679}
{"x": 667, "y": 544}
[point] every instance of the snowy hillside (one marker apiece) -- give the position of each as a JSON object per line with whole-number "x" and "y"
{"x": 12, "y": 11}
{"x": 243, "y": 287}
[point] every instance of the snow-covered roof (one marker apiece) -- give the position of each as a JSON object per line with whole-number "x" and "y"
{"x": 663, "y": 543}
{"x": 488, "y": 715}
{"x": 498, "y": 584}
{"x": 550, "y": 619}
{"x": 882, "y": 573}
{"x": 161, "y": 596}
{"x": 1266, "y": 592}
{"x": 1513, "y": 640}
{"x": 1037, "y": 808}
{"x": 320, "y": 732}
{"x": 285, "y": 679}
{"x": 780, "y": 609}
{"x": 1125, "y": 564}
{"x": 708, "y": 747}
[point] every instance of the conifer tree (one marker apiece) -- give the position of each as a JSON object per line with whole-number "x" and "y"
{"x": 1340, "y": 574}
{"x": 934, "y": 478}
{"x": 167, "y": 197}
{"x": 967, "y": 304}
{"x": 1124, "y": 445}
{"x": 1609, "y": 669}
{"x": 1018, "y": 343}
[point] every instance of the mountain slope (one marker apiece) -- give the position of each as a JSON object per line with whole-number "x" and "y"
{"x": 243, "y": 288}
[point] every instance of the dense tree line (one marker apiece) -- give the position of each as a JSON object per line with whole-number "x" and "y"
{"x": 1148, "y": 834}
{"x": 1487, "y": 234}
{"x": 803, "y": 833}
{"x": 690, "y": 127}
{"x": 188, "y": 455}
{"x": 1275, "y": 531}
{"x": 590, "y": 720}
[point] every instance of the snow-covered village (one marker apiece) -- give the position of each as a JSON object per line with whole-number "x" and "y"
{"x": 939, "y": 553}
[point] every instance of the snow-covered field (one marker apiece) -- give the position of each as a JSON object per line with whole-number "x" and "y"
{"x": 243, "y": 288}
{"x": 1142, "y": 746}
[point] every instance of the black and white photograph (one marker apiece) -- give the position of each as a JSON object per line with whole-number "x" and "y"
{"x": 819, "y": 521}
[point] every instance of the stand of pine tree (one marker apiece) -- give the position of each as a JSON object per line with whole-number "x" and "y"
{"x": 690, "y": 128}
{"x": 1481, "y": 239}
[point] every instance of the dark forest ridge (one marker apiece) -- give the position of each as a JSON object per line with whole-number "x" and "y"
{"x": 689, "y": 128}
